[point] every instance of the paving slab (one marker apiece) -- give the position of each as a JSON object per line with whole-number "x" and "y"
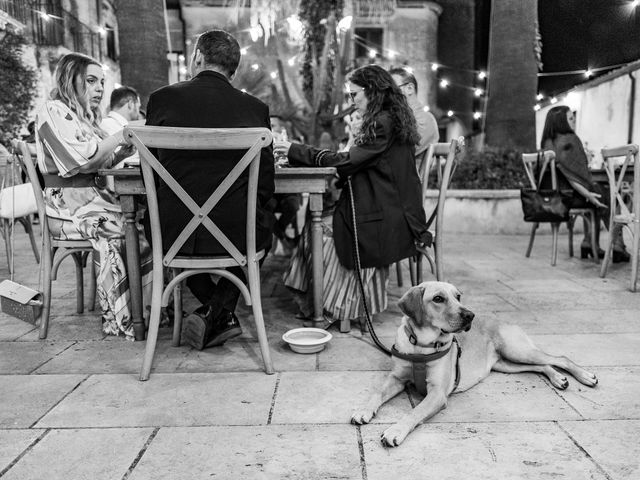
{"x": 24, "y": 358}
{"x": 257, "y": 452}
{"x": 88, "y": 454}
{"x": 11, "y": 328}
{"x": 612, "y": 349}
{"x": 558, "y": 301}
{"x": 71, "y": 326}
{"x": 615, "y": 397}
{"x": 574, "y": 321}
{"x": 358, "y": 353}
{"x": 13, "y": 443}
{"x": 603, "y": 440}
{"x": 546, "y": 285}
{"x": 166, "y": 400}
{"x": 505, "y": 397}
{"x": 331, "y": 397}
{"x": 26, "y": 398}
{"x": 479, "y": 451}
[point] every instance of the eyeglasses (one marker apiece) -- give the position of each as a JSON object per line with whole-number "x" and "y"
{"x": 352, "y": 95}
{"x": 403, "y": 84}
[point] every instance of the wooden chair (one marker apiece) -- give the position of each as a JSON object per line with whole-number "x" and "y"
{"x": 253, "y": 139}
{"x": 625, "y": 204}
{"x": 55, "y": 250}
{"x": 8, "y": 220}
{"x": 444, "y": 171}
{"x": 531, "y": 164}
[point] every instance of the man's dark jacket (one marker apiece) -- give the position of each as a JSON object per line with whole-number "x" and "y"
{"x": 387, "y": 197}
{"x": 210, "y": 101}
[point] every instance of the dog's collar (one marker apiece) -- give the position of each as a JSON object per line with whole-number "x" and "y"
{"x": 437, "y": 346}
{"x": 419, "y": 362}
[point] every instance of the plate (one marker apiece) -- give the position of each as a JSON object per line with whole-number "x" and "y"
{"x": 307, "y": 340}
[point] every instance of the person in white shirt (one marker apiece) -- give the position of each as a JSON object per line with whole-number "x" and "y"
{"x": 124, "y": 108}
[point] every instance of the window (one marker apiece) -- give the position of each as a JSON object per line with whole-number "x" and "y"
{"x": 367, "y": 40}
{"x": 111, "y": 42}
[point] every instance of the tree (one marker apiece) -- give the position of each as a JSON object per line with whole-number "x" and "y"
{"x": 17, "y": 85}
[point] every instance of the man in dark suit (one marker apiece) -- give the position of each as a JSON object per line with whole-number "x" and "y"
{"x": 209, "y": 100}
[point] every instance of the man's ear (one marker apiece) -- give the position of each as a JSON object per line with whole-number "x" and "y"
{"x": 411, "y": 303}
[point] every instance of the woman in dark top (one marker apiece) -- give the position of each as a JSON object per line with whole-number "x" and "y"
{"x": 390, "y": 219}
{"x": 573, "y": 173}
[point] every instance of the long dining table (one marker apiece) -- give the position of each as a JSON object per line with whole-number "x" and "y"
{"x": 128, "y": 184}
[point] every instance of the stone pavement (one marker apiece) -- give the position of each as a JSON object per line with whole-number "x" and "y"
{"x": 71, "y": 407}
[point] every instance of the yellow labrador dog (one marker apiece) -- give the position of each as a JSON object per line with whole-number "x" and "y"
{"x": 428, "y": 353}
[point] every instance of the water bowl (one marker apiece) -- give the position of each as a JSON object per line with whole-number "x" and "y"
{"x": 307, "y": 340}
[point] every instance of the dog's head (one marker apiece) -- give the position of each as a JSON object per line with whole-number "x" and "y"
{"x": 436, "y": 305}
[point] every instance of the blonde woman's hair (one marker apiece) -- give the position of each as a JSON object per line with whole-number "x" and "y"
{"x": 70, "y": 67}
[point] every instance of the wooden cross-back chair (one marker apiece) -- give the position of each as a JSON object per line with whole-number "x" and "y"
{"x": 440, "y": 159}
{"x": 250, "y": 139}
{"x": 7, "y": 219}
{"x": 535, "y": 172}
{"x": 55, "y": 249}
{"x": 625, "y": 204}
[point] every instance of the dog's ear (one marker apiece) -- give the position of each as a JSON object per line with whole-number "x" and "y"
{"x": 411, "y": 303}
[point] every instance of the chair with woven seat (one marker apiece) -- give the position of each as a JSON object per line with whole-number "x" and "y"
{"x": 182, "y": 266}
{"x": 625, "y": 204}
{"x": 531, "y": 162}
{"x": 55, "y": 250}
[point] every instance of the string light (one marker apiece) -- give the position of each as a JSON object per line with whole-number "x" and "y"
{"x": 553, "y": 100}
{"x": 539, "y": 97}
{"x": 426, "y": 108}
{"x": 373, "y": 53}
{"x": 477, "y": 115}
{"x": 255, "y": 67}
{"x": 274, "y": 75}
{"x": 244, "y": 50}
{"x": 102, "y": 31}
{"x": 635, "y": 3}
{"x": 450, "y": 113}
{"x": 291, "y": 61}
{"x": 345, "y": 23}
{"x": 482, "y": 75}
{"x": 444, "y": 83}
{"x": 434, "y": 67}
{"x": 536, "y": 107}
{"x": 478, "y": 92}
{"x": 588, "y": 73}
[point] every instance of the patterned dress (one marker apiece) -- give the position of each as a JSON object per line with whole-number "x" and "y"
{"x": 64, "y": 144}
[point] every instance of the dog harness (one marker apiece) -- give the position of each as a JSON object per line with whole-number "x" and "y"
{"x": 419, "y": 362}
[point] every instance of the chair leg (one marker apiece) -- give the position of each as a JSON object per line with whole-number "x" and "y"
{"x": 47, "y": 260}
{"x": 177, "y": 311}
{"x": 634, "y": 255}
{"x": 554, "y": 243}
{"x": 570, "y": 223}
{"x": 608, "y": 254}
{"x": 77, "y": 258}
{"x": 399, "y": 273}
{"x": 593, "y": 230}
{"x": 419, "y": 269}
{"x": 256, "y": 303}
{"x": 6, "y": 233}
{"x": 154, "y": 323}
{"x": 412, "y": 271}
{"x": 92, "y": 282}
{"x": 534, "y": 227}
{"x": 26, "y": 223}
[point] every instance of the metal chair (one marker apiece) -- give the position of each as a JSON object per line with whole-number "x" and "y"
{"x": 55, "y": 250}
{"x": 625, "y": 204}
{"x": 182, "y": 266}
{"x": 531, "y": 165}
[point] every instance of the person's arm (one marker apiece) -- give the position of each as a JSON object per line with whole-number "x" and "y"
{"x": 104, "y": 154}
{"x": 592, "y": 197}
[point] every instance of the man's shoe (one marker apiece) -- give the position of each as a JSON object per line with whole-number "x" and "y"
{"x": 225, "y": 327}
{"x": 195, "y": 327}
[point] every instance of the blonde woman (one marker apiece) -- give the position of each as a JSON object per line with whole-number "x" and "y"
{"x": 70, "y": 143}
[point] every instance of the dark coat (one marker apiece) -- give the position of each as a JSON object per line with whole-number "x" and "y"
{"x": 387, "y": 196}
{"x": 210, "y": 101}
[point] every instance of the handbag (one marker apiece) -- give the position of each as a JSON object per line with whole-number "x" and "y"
{"x": 545, "y": 205}
{"x": 17, "y": 201}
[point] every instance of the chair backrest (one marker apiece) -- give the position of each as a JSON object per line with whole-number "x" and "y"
{"x": 619, "y": 188}
{"x": 441, "y": 159}
{"x": 23, "y": 153}
{"x": 174, "y": 138}
{"x": 538, "y": 162}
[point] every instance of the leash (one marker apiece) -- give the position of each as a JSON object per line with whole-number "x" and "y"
{"x": 419, "y": 362}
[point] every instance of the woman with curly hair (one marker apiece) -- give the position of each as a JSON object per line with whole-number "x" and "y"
{"x": 378, "y": 177}
{"x": 71, "y": 147}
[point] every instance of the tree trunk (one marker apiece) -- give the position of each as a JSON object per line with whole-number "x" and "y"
{"x": 513, "y": 81}
{"x": 142, "y": 36}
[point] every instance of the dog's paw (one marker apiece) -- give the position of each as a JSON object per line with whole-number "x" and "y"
{"x": 362, "y": 417}
{"x": 393, "y": 436}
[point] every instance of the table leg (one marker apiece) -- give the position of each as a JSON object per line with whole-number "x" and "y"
{"x": 132, "y": 246}
{"x": 315, "y": 208}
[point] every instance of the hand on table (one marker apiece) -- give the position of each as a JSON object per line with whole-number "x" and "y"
{"x": 593, "y": 197}
{"x": 281, "y": 148}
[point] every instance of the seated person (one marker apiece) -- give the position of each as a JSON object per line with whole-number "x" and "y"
{"x": 286, "y": 204}
{"x": 69, "y": 143}
{"x": 206, "y": 101}
{"x": 573, "y": 173}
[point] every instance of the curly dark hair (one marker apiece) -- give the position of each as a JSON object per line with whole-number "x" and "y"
{"x": 555, "y": 124}
{"x": 384, "y": 95}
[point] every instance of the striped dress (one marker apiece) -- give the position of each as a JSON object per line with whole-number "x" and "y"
{"x": 341, "y": 293}
{"x": 64, "y": 144}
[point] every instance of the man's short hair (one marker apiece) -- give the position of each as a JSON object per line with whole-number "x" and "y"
{"x": 221, "y": 49}
{"x": 120, "y": 96}
{"x": 405, "y": 75}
